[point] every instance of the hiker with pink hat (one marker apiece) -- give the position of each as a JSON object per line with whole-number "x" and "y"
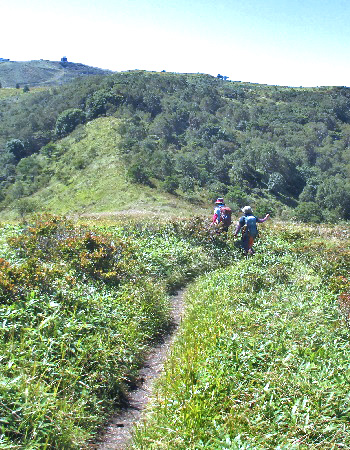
{"x": 222, "y": 214}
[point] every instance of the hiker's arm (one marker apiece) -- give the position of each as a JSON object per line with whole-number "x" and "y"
{"x": 264, "y": 219}
{"x": 238, "y": 227}
{"x": 215, "y": 218}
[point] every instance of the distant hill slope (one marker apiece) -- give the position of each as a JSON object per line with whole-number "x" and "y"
{"x": 43, "y": 72}
{"x": 85, "y": 174}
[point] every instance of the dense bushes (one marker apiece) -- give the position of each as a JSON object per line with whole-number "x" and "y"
{"x": 68, "y": 120}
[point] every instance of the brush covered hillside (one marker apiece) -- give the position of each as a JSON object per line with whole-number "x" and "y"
{"x": 43, "y": 73}
{"x": 181, "y": 137}
{"x": 84, "y": 172}
{"x": 261, "y": 360}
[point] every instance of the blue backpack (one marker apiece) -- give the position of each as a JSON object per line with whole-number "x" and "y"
{"x": 251, "y": 228}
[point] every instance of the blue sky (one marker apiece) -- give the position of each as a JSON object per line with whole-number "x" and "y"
{"x": 277, "y": 42}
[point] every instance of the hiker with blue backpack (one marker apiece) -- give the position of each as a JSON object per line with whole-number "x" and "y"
{"x": 247, "y": 224}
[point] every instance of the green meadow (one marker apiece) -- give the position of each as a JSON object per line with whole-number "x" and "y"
{"x": 13, "y": 92}
{"x": 80, "y": 305}
{"x": 261, "y": 359}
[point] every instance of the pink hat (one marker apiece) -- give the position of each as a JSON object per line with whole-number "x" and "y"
{"x": 220, "y": 200}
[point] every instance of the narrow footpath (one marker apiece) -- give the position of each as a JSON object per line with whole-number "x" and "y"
{"x": 118, "y": 433}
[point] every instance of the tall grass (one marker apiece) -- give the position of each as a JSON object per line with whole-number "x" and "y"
{"x": 262, "y": 360}
{"x": 79, "y": 306}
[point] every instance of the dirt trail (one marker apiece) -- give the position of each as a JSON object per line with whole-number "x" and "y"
{"x": 118, "y": 433}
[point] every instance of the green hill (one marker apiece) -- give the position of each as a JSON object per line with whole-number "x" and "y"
{"x": 43, "y": 73}
{"x": 84, "y": 174}
{"x": 190, "y": 136}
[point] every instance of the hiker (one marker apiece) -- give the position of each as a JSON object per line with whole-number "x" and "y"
{"x": 247, "y": 224}
{"x": 222, "y": 214}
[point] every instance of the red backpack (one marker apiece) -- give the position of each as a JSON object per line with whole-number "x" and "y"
{"x": 225, "y": 215}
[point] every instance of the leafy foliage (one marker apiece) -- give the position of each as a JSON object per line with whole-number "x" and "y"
{"x": 16, "y": 147}
{"x": 68, "y": 120}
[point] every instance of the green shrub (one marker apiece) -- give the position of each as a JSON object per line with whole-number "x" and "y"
{"x": 68, "y": 120}
{"x": 138, "y": 174}
{"x": 308, "y": 212}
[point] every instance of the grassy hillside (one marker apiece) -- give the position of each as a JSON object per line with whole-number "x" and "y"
{"x": 43, "y": 73}
{"x": 13, "y": 92}
{"x": 80, "y": 305}
{"x": 84, "y": 173}
{"x": 261, "y": 361}
{"x": 263, "y": 358}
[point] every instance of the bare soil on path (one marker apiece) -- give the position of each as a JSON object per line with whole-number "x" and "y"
{"x": 118, "y": 433}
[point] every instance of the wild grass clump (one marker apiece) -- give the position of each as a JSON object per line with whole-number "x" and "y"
{"x": 79, "y": 307}
{"x": 262, "y": 359}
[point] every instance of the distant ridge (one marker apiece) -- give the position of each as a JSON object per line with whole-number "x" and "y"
{"x": 43, "y": 72}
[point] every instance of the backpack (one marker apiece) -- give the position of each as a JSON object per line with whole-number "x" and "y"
{"x": 225, "y": 215}
{"x": 250, "y": 224}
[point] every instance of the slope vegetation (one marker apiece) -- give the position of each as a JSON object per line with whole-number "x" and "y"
{"x": 261, "y": 362}
{"x": 80, "y": 305}
{"x": 84, "y": 173}
{"x": 196, "y": 136}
